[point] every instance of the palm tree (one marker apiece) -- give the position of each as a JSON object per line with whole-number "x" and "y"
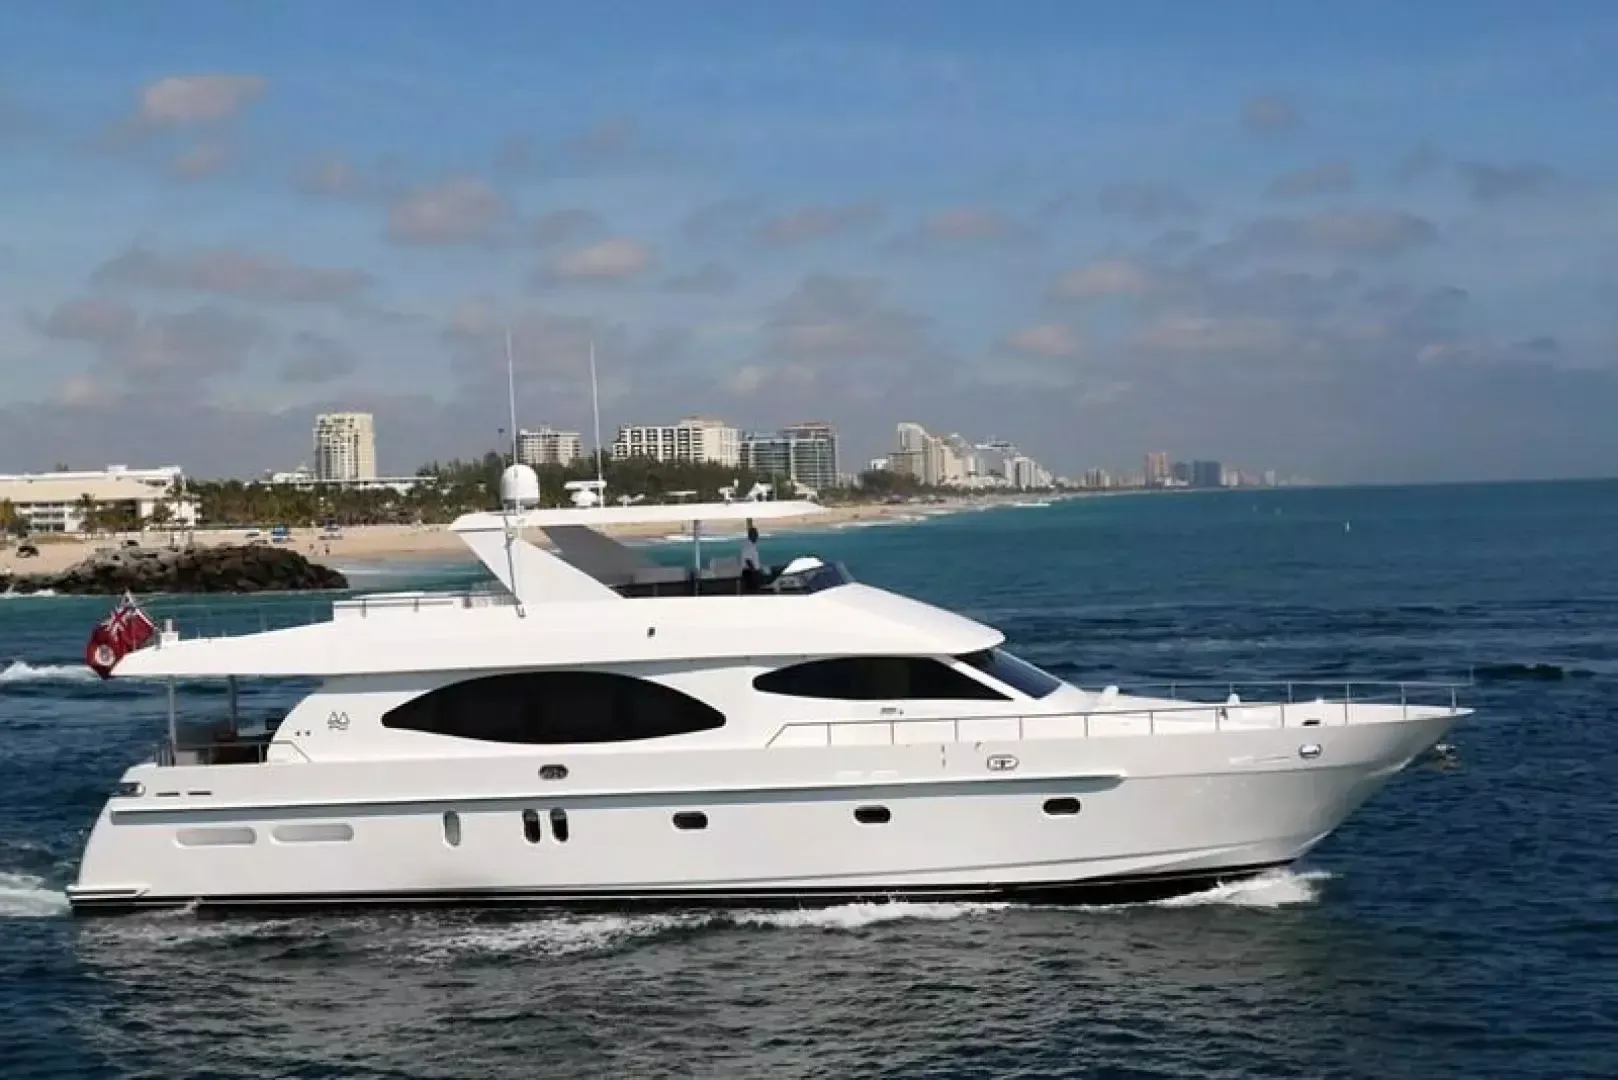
{"x": 9, "y": 519}
{"x": 89, "y": 513}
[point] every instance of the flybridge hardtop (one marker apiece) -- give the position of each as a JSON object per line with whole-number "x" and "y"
{"x": 576, "y": 606}
{"x": 637, "y": 514}
{"x": 414, "y": 634}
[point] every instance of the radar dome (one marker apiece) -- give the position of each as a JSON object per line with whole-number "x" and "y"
{"x": 519, "y": 488}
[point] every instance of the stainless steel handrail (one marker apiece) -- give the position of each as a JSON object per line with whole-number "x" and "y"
{"x": 1220, "y": 711}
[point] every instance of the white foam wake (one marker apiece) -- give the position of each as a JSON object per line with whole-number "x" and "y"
{"x": 566, "y": 935}
{"x": 558, "y": 936}
{"x": 21, "y": 671}
{"x": 1278, "y": 888}
{"x": 10, "y": 595}
{"x": 27, "y": 897}
{"x": 858, "y": 916}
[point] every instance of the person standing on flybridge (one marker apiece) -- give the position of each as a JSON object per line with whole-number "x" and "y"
{"x": 752, "y": 568}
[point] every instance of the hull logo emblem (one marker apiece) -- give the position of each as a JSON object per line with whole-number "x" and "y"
{"x": 337, "y": 721}
{"x": 1001, "y": 763}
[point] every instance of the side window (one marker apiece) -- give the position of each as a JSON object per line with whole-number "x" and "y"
{"x": 554, "y": 707}
{"x": 1017, "y": 674}
{"x": 876, "y": 678}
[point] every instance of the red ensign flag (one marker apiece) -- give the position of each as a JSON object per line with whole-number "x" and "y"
{"x": 120, "y": 633}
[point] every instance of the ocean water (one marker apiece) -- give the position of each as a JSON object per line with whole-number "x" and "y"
{"x": 1462, "y": 924}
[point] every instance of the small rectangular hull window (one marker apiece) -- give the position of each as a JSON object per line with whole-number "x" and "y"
{"x": 452, "y": 828}
{"x": 559, "y": 825}
{"x": 530, "y": 826}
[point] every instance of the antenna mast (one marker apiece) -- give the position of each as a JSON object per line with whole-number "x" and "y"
{"x": 511, "y": 393}
{"x": 513, "y": 534}
{"x": 595, "y": 405}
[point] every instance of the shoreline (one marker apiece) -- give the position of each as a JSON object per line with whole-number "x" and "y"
{"x": 373, "y": 544}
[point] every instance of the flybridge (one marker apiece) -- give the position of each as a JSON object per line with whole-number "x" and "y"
{"x": 592, "y": 566}
{"x": 637, "y": 514}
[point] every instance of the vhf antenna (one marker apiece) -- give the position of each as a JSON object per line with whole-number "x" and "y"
{"x": 512, "y": 534}
{"x": 595, "y": 405}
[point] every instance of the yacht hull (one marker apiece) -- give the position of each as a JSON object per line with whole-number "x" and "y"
{"x": 1051, "y": 821}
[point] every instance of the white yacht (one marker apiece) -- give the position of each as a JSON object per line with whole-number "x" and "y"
{"x": 603, "y": 731}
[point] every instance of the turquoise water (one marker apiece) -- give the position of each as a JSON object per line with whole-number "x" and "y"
{"x": 1464, "y": 923}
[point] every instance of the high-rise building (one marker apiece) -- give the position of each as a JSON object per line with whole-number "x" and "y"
{"x": 695, "y": 439}
{"x": 910, "y": 452}
{"x": 345, "y": 446}
{"x": 548, "y": 446}
{"x": 814, "y": 453}
{"x": 1157, "y": 468}
{"x": 803, "y": 453}
{"x": 1207, "y": 474}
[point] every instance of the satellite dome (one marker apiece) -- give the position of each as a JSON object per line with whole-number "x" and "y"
{"x": 519, "y": 488}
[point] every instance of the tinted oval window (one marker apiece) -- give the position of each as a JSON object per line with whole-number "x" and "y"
{"x": 873, "y": 815}
{"x": 691, "y": 819}
{"x": 554, "y": 707}
{"x": 876, "y": 678}
{"x": 1061, "y": 807}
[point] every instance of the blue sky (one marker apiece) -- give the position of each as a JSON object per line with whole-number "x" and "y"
{"x": 1368, "y": 241}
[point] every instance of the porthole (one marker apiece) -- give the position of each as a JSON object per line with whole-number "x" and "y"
{"x": 691, "y": 819}
{"x": 530, "y": 826}
{"x": 452, "y": 828}
{"x": 1061, "y": 807}
{"x": 559, "y": 825}
{"x": 553, "y": 772}
{"x": 873, "y": 815}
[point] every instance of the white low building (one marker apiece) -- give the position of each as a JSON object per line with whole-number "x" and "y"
{"x": 57, "y": 502}
{"x": 305, "y": 480}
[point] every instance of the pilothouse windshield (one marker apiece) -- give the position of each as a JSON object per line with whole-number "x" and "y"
{"x": 1015, "y": 673}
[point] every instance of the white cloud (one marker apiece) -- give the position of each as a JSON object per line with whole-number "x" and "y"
{"x": 237, "y": 274}
{"x": 1050, "y": 340}
{"x": 616, "y": 259}
{"x": 195, "y": 99}
{"x": 206, "y": 158}
{"x": 460, "y": 211}
{"x": 817, "y": 223}
{"x": 1104, "y": 277}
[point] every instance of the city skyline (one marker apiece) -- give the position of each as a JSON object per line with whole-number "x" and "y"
{"x": 1356, "y": 245}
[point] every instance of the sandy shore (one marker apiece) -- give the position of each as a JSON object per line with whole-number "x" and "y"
{"x": 389, "y": 543}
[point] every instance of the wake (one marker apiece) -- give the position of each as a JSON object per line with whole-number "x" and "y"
{"x": 24, "y": 896}
{"x": 21, "y": 671}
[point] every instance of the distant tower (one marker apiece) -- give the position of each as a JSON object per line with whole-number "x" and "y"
{"x": 1157, "y": 468}
{"x": 345, "y": 446}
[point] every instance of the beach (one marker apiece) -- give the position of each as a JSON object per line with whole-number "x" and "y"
{"x": 436, "y": 543}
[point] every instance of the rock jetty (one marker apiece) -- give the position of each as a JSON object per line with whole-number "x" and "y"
{"x": 225, "y": 569}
